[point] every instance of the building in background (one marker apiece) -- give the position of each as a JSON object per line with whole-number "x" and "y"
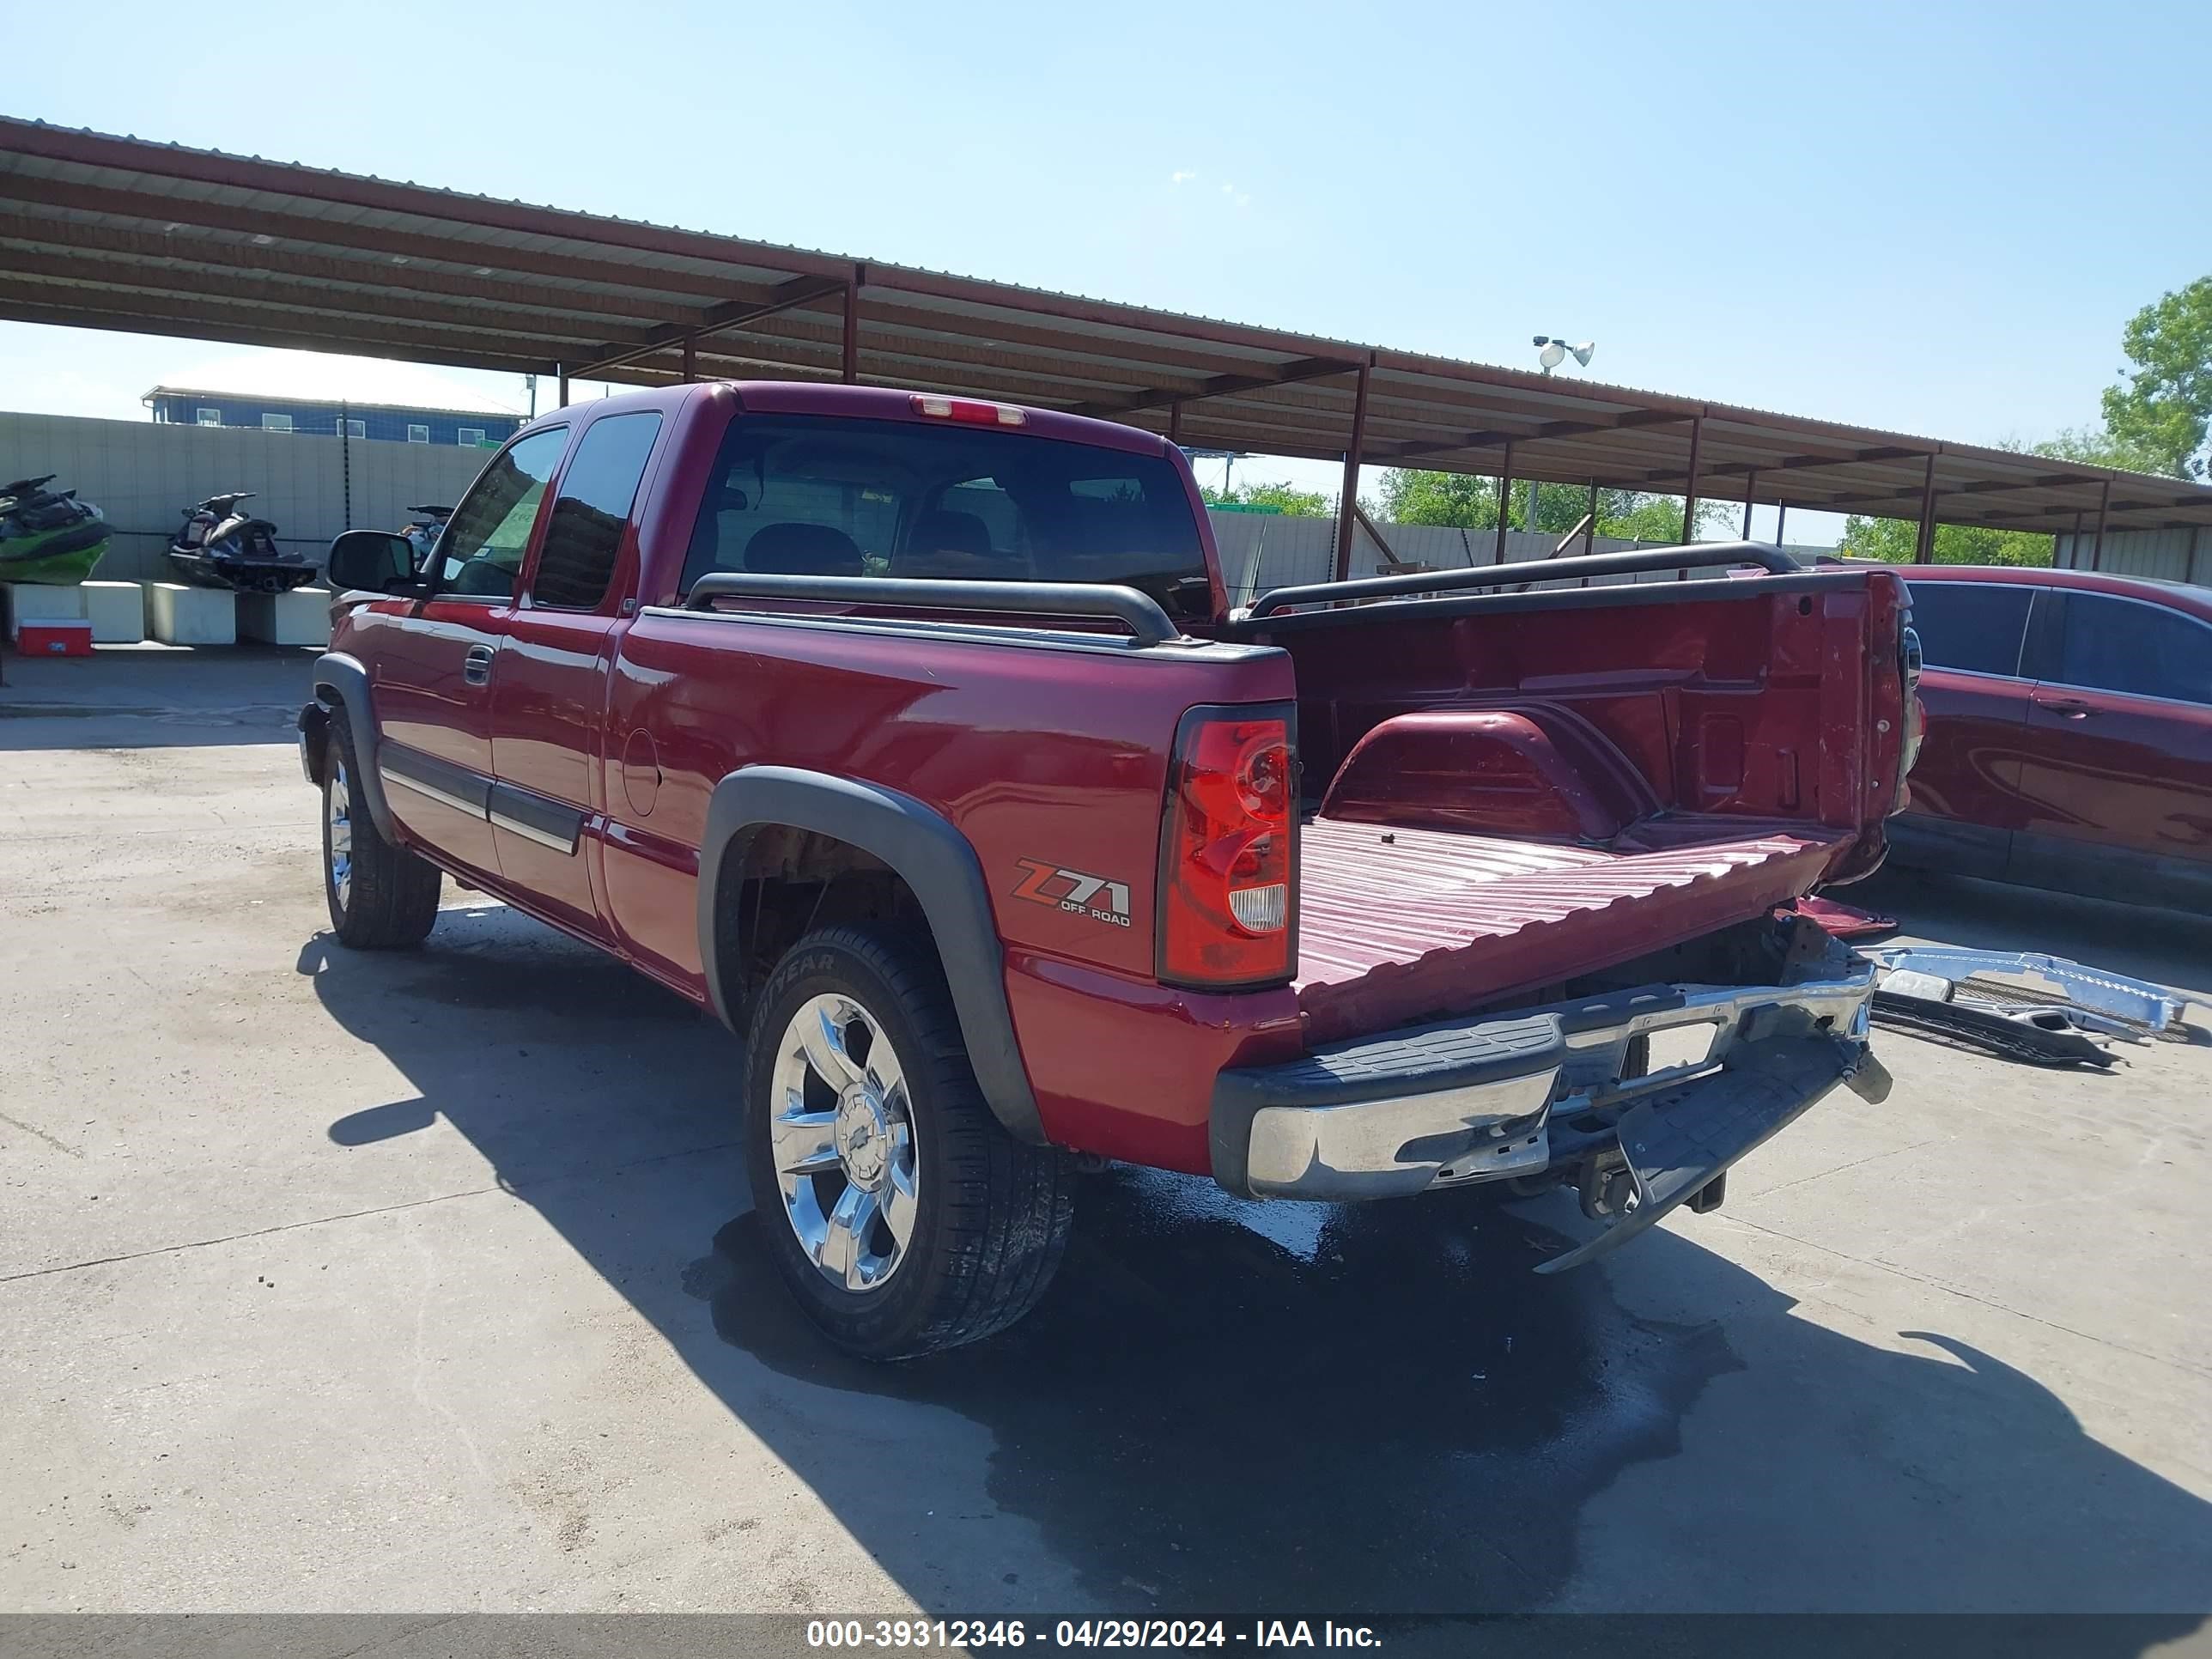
{"x": 311, "y": 392}
{"x": 408, "y": 423}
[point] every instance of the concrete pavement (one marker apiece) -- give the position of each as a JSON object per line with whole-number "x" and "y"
{"x": 425, "y": 1281}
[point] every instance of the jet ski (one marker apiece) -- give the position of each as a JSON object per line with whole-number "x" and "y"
{"x": 424, "y": 525}
{"x": 48, "y": 536}
{"x": 219, "y": 546}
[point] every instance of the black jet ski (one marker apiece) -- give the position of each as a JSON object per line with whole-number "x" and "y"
{"x": 424, "y": 525}
{"x": 219, "y": 546}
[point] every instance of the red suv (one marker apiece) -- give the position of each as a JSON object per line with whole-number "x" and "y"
{"x": 2068, "y": 740}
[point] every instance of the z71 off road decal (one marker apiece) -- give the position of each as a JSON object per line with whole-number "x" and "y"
{"x": 1074, "y": 892}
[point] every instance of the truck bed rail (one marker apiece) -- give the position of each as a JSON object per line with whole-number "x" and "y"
{"x": 1703, "y": 556}
{"x": 1147, "y": 624}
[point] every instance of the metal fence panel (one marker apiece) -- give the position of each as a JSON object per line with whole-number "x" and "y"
{"x": 2173, "y": 555}
{"x": 142, "y": 475}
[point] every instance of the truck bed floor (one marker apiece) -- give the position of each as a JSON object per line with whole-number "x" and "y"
{"x": 1395, "y": 925}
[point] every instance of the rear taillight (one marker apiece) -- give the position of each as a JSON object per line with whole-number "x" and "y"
{"x": 973, "y": 410}
{"x": 1228, "y": 850}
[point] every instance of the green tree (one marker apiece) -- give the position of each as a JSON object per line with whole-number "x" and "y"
{"x": 2097, "y": 447}
{"x": 1445, "y": 498}
{"x": 1273, "y": 498}
{"x": 1896, "y": 540}
{"x": 1642, "y": 518}
{"x": 2164, "y": 409}
{"x": 1410, "y": 496}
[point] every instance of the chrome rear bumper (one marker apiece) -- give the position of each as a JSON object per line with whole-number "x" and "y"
{"x": 1473, "y": 1100}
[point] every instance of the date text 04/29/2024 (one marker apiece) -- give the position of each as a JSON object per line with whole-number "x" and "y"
{"x": 970, "y": 1633}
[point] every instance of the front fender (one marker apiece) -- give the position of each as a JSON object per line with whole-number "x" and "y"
{"x": 340, "y": 678}
{"x": 935, "y": 861}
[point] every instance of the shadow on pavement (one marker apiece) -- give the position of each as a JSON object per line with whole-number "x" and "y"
{"x": 1230, "y": 1405}
{"x": 153, "y": 697}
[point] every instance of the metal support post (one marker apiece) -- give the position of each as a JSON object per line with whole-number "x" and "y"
{"x": 850, "y": 356}
{"x": 1924, "y": 548}
{"x": 1690, "y": 491}
{"x": 1505, "y": 502}
{"x": 1348, "y": 502}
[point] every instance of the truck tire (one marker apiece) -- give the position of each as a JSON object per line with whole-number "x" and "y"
{"x": 902, "y": 1215}
{"x": 381, "y": 897}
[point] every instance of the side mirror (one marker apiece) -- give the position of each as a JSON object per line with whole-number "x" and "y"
{"x": 376, "y": 560}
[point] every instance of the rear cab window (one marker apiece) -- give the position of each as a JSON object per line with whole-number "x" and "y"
{"x": 830, "y": 495}
{"x": 1973, "y": 628}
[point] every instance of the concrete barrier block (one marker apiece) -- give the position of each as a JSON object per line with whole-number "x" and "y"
{"x": 178, "y": 615}
{"x": 116, "y": 612}
{"x": 299, "y": 617}
{"x": 42, "y": 602}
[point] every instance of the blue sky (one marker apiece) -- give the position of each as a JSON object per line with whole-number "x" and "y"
{"x": 1934, "y": 218}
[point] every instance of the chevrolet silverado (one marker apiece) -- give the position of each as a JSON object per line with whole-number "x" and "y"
{"x": 914, "y": 737}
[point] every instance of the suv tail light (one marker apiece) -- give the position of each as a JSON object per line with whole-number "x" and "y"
{"x": 1229, "y": 851}
{"x": 1916, "y": 716}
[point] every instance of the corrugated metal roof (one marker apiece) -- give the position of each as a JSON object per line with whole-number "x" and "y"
{"x": 105, "y": 231}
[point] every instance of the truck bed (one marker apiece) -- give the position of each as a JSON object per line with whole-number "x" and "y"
{"x": 1395, "y": 925}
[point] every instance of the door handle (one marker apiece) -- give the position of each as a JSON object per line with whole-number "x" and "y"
{"x": 2072, "y": 708}
{"x": 475, "y": 667}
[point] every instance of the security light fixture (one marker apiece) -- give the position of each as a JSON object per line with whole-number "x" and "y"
{"x": 1551, "y": 351}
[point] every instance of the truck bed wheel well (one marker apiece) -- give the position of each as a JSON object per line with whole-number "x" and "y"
{"x": 783, "y": 883}
{"x": 851, "y": 850}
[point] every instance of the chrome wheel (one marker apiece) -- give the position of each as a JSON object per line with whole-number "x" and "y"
{"x": 337, "y": 828}
{"x": 841, "y": 1131}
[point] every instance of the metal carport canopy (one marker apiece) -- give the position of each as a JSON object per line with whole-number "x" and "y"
{"x": 104, "y": 232}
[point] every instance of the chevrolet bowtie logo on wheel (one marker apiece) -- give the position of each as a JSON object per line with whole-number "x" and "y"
{"x": 1074, "y": 892}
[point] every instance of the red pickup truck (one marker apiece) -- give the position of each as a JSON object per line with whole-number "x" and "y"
{"x": 913, "y": 735}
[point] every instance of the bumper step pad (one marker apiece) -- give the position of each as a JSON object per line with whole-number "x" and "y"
{"x": 1379, "y": 1087}
{"x": 1448, "y": 1055}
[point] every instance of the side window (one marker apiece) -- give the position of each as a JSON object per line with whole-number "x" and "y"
{"x": 2127, "y": 646}
{"x": 597, "y": 492}
{"x": 1972, "y": 626}
{"x": 481, "y": 553}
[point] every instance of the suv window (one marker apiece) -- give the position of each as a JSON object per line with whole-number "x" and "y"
{"x": 2129, "y": 646}
{"x": 481, "y": 553}
{"x": 825, "y": 495}
{"x": 597, "y": 492}
{"x": 1973, "y": 626}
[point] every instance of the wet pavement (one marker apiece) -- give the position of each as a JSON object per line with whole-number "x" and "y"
{"x": 1208, "y": 1419}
